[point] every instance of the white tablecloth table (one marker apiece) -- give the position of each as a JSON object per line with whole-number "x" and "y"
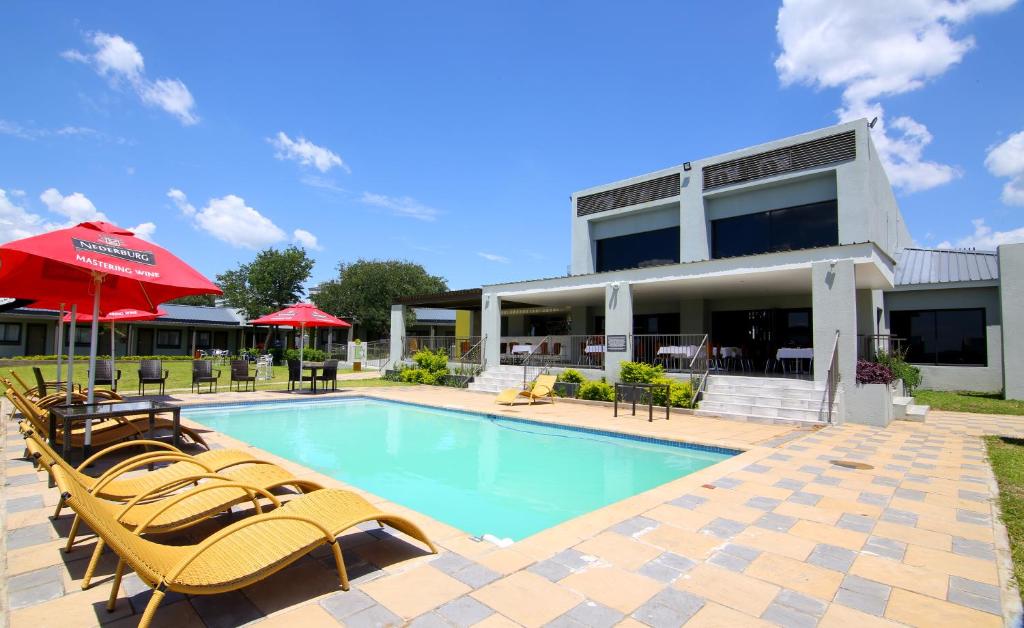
{"x": 594, "y": 349}
{"x": 794, "y": 354}
{"x": 522, "y": 348}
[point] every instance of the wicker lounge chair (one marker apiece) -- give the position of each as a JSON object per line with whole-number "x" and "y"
{"x": 106, "y": 375}
{"x": 543, "y": 388}
{"x": 152, "y": 372}
{"x": 32, "y": 392}
{"x": 202, "y": 373}
{"x": 240, "y": 374}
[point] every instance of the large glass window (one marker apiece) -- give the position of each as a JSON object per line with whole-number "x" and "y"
{"x": 168, "y": 338}
{"x": 955, "y": 337}
{"x": 10, "y": 333}
{"x": 637, "y": 250}
{"x": 786, "y": 229}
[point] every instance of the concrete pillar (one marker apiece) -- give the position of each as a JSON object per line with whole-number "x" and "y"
{"x": 397, "y": 333}
{"x": 834, "y": 303}
{"x": 618, "y": 321}
{"x": 490, "y": 328}
{"x": 578, "y": 315}
{"x": 691, "y": 316}
{"x": 1011, "y": 303}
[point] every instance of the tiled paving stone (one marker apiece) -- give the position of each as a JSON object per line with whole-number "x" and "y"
{"x": 911, "y": 494}
{"x": 874, "y": 499}
{"x": 429, "y": 620}
{"x": 35, "y": 587}
{"x": 727, "y": 483}
{"x": 779, "y": 457}
{"x": 28, "y": 536}
{"x": 475, "y": 575}
{"x": 465, "y": 611}
{"x": 757, "y": 468}
{"x": 864, "y": 595}
{"x": 723, "y": 528}
{"x": 225, "y": 610}
{"x": 976, "y": 595}
{"x": 666, "y": 567}
{"x": 20, "y": 480}
{"x": 373, "y": 617}
{"x": 671, "y": 607}
{"x": 450, "y": 562}
{"x": 346, "y": 603}
{"x": 973, "y": 496}
{"x": 139, "y": 593}
{"x": 789, "y": 617}
{"x": 550, "y": 569}
{"x": 573, "y": 559}
{"x": 776, "y": 522}
{"x": 799, "y": 601}
{"x": 828, "y": 480}
{"x": 734, "y": 557}
{"x": 589, "y": 613}
{"x": 688, "y": 501}
{"x": 902, "y": 517}
{"x": 805, "y": 498}
{"x": 763, "y": 503}
{"x": 832, "y": 557}
{"x": 975, "y": 518}
{"x": 811, "y": 469}
{"x": 22, "y": 504}
{"x": 974, "y": 549}
{"x": 790, "y": 484}
{"x": 632, "y": 526}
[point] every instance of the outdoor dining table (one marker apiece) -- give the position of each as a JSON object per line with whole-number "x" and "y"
{"x": 794, "y": 353}
{"x": 678, "y": 353}
{"x": 313, "y": 368}
{"x": 67, "y": 415}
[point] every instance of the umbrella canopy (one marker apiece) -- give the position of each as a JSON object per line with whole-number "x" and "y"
{"x": 117, "y": 316}
{"x": 65, "y": 264}
{"x": 301, "y": 315}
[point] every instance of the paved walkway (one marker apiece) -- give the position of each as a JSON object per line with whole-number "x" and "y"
{"x": 777, "y": 535}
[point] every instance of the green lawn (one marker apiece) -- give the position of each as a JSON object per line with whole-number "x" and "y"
{"x": 966, "y": 401}
{"x": 1007, "y": 458}
{"x": 179, "y": 378}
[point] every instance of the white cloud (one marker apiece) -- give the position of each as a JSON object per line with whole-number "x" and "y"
{"x": 306, "y": 239}
{"x": 230, "y": 220}
{"x": 121, "y": 63}
{"x": 15, "y": 221}
{"x": 306, "y": 153}
{"x": 873, "y": 49}
{"x": 144, "y": 230}
{"x": 984, "y": 238}
{"x": 1007, "y": 160}
{"x": 14, "y": 129}
{"x": 401, "y": 206}
{"x": 323, "y": 183}
{"x": 76, "y": 207}
{"x": 491, "y": 257}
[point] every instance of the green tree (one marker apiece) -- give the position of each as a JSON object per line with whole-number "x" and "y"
{"x": 366, "y": 289}
{"x": 270, "y": 282}
{"x": 195, "y": 299}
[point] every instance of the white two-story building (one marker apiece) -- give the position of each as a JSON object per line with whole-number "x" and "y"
{"x": 785, "y": 262}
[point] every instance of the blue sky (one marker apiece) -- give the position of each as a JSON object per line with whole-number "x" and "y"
{"x": 452, "y": 134}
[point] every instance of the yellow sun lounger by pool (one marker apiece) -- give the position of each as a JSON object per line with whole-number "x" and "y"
{"x": 543, "y": 387}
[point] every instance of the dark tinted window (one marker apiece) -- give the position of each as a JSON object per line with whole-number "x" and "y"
{"x": 636, "y": 250}
{"x": 786, "y": 229}
{"x": 942, "y": 336}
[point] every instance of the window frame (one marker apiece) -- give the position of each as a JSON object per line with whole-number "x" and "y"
{"x": 935, "y": 312}
{"x": 4, "y": 327}
{"x": 770, "y": 244}
{"x": 162, "y": 345}
{"x": 599, "y": 245}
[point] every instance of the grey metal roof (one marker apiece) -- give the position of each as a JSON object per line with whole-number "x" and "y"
{"x": 202, "y": 314}
{"x": 434, "y": 314}
{"x": 930, "y": 266}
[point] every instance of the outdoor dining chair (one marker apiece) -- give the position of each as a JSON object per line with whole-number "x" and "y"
{"x": 240, "y": 374}
{"x": 329, "y": 374}
{"x": 152, "y": 372}
{"x": 294, "y": 373}
{"x": 105, "y": 374}
{"x": 202, "y": 373}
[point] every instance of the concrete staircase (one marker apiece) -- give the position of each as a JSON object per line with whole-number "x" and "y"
{"x": 904, "y": 409}
{"x": 767, "y": 399}
{"x": 498, "y": 378}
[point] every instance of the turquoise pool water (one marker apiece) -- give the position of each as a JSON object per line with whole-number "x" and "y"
{"x": 483, "y": 475}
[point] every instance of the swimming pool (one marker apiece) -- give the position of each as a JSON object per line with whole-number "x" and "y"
{"x": 482, "y": 474}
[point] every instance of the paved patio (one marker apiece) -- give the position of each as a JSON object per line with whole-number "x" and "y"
{"x": 776, "y": 535}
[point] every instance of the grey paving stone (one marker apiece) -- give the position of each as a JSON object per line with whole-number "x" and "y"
{"x": 975, "y": 549}
{"x": 832, "y": 557}
{"x": 889, "y": 548}
{"x": 865, "y": 603}
{"x": 450, "y": 562}
{"x": 727, "y": 483}
{"x": 475, "y": 575}
{"x": 29, "y": 535}
{"x": 671, "y": 607}
{"x": 807, "y": 468}
{"x": 728, "y": 561}
{"x": 909, "y": 493}
{"x": 858, "y": 523}
{"x": 429, "y": 620}
{"x": 688, "y": 501}
{"x": 345, "y": 603}
{"x": 896, "y": 467}
{"x": 757, "y": 468}
{"x": 790, "y": 484}
{"x": 35, "y": 587}
{"x": 902, "y": 517}
{"x": 630, "y": 527}
{"x": 978, "y": 602}
{"x": 915, "y": 477}
{"x": 973, "y": 496}
{"x": 21, "y": 504}
{"x": 775, "y": 521}
{"x": 465, "y": 611}
{"x": 801, "y": 602}
{"x": 573, "y": 559}
{"x": 550, "y": 569}
{"x": 974, "y": 587}
{"x": 866, "y": 587}
{"x": 666, "y": 567}
{"x": 21, "y": 480}
{"x": 881, "y": 480}
{"x": 805, "y": 498}
{"x": 788, "y": 617}
{"x": 875, "y": 499}
{"x": 590, "y": 613}
{"x": 724, "y": 528}
{"x": 778, "y": 456}
{"x": 828, "y": 480}
{"x": 922, "y": 465}
{"x": 742, "y": 551}
{"x": 763, "y": 503}
{"x": 139, "y": 593}
{"x": 226, "y": 610}
{"x": 373, "y": 617}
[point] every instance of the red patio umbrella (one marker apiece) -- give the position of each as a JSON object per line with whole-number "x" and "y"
{"x": 71, "y": 266}
{"x": 301, "y": 315}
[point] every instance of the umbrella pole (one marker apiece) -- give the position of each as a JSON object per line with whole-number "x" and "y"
{"x": 71, "y": 351}
{"x": 112, "y": 369}
{"x": 93, "y": 338}
{"x": 302, "y": 346}
{"x": 60, "y": 343}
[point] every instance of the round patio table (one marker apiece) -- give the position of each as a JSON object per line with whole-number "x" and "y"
{"x": 313, "y": 368}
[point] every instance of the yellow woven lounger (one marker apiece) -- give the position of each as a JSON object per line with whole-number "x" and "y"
{"x": 241, "y": 554}
{"x": 543, "y": 388}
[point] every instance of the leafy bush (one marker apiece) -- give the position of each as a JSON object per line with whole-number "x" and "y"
{"x": 680, "y": 394}
{"x": 571, "y": 376}
{"x": 640, "y": 373}
{"x": 873, "y": 373}
{"x": 596, "y": 391}
{"x": 431, "y": 368}
{"x": 85, "y": 356}
{"x": 911, "y": 375}
{"x": 309, "y": 355}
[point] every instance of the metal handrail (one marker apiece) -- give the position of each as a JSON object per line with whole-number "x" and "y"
{"x": 529, "y": 356}
{"x": 832, "y": 379}
{"x": 473, "y": 367}
{"x": 702, "y": 377}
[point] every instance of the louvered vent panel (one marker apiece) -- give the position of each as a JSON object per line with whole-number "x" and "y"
{"x": 819, "y": 152}
{"x": 643, "y": 192}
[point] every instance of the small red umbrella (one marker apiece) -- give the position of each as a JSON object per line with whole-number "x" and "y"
{"x": 301, "y": 315}
{"x": 72, "y": 265}
{"x": 126, "y": 315}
